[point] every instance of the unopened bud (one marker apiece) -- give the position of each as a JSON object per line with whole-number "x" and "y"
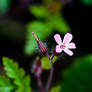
{"x": 36, "y": 68}
{"x": 41, "y": 45}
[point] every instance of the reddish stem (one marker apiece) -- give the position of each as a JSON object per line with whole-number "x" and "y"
{"x": 51, "y": 74}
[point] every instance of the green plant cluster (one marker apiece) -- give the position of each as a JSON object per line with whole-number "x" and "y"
{"x": 15, "y": 80}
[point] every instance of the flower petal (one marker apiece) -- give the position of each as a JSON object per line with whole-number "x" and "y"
{"x": 58, "y": 49}
{"x": 67, "y": 38}
{"x": 58, "y": 39}
{"x": 69, "y": 52}
{"x": 71, "y": 45}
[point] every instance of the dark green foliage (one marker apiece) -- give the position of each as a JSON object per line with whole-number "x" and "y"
{"x": 87, "y": 2}
{"x": 4, "y": 5}
{"x": 78, "y": 78}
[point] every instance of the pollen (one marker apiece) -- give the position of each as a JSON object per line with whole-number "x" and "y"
{"x": 62, "y": 46}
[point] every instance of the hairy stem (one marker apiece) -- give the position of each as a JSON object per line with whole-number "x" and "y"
{"x": 51, "y": 74}
{"x": 40, "y": 83}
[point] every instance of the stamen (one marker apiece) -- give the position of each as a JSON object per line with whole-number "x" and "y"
{"x": 35, "y": 36}
{"x": 63, "y": 46}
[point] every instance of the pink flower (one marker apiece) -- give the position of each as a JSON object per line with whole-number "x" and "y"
{"x": 64, "y": 45}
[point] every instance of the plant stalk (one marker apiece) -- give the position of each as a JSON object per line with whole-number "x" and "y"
{"x": 51, "y": 74}
{"x": 40, "y": 83}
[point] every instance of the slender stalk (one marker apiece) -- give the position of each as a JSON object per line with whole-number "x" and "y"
{"x": 40, "y": 83}
{"x": 51, "y": 74}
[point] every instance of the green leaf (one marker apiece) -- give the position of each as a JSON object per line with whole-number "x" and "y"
{"x": 42, "y": 30}
{"x": 5, "y": 84}
{"x": 17, "y": 74}
{"x": 25, "y": 87}
{"x": 87, "y": 2}
{"x": 12, "y": 69}
{"x": 46, "y": 62}
{"x": 55, "y": 89}
{"x": 4, "y": 5}
{"x": 78, "y": 78}
{"x": 58, "y": 23}
{"x": 39, "y": 11}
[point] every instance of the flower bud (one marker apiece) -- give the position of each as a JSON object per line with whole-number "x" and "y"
{"x": 36, "y": 68}
{"x": 41, "y": 45}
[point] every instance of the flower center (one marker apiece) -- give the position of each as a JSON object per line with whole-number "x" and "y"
{"x": 62, "y": 46}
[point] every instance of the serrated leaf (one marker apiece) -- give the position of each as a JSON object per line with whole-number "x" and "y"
{"x": 78, "y": 77}
{"x": 5, "y": 84}
{"x": 21, "y": 70}
{"x": 58, "y": 23}
{"x": 39, "y": 11}
{"x": 41, "y": 29}
{"x": 12, "y": 69}
{"x": 46, "y": 62}
{"x": 23, "y": 89}
{"x": 27, "y": 80}
{"x": 17, "y": 74}
{"x": 26, "y": 85}
{"x": 55, "y": 89}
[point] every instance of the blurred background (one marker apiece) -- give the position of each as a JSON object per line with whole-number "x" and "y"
{"x": 19, "y": 18}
